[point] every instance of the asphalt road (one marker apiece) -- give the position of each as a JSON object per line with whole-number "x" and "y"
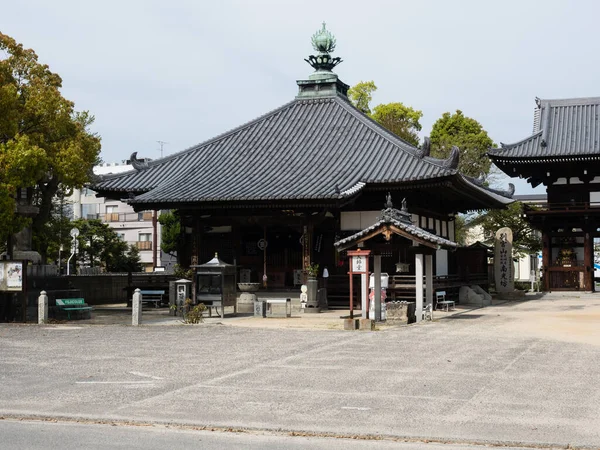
{"x": 32, "y": 435}
{"x": 486, "y": 377}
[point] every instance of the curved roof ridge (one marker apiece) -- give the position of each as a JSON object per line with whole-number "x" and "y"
{"x": 498, "y": 150}
{"x": 552, "y": 102}
{"x": 503, "y": 196}
{"x": 508, "y": 193}
{"x": 353, "y": 189}
{"x": 393, "y": 138}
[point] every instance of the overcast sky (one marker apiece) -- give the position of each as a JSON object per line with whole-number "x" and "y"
{"x": 184, "y": 71}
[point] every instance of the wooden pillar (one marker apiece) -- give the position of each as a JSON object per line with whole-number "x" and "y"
{"x": 196, "y": 241}
{"x": 588, "y": 262}
{"x": 419, "y": 286}
{"x": 307, "y": 248}
{"x": 195, "y": 252}
{"x": 264, "y": 277}
{"x": 429, "y": 279}
{"x": 154, "y": 239}
{"x": 377, "y": 287}
{"x": 546, "y": 259}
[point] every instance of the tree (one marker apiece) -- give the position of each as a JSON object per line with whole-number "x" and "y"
{"x": 128, "y": 261}
{"x": 400, "y": 120}
{"x": 361, "y": 95}
{"x": 460, "y": 229}
{"x": 44, "y": 143}
{"x": 54, "y": 238}
{"x": 171, "y": 232}
{"x": 469, "y": 136}
{"x": 100, "y": 245}
{"x": 526, "y": 240}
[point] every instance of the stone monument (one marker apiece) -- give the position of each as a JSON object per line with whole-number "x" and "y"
{"x": 503, "y": 262}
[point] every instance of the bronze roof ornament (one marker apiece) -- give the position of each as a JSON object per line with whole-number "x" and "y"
{"x": 324, "y": 43}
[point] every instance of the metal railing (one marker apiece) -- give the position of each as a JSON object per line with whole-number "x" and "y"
{"x": 533, "y": 208}
{"x": 143, "y": 245}
{"x": 145, "y": 216}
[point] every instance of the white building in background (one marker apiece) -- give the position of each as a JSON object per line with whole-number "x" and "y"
{"x": 135, "y": 228}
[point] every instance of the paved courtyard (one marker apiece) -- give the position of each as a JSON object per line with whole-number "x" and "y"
{"x": 517, "y": 373}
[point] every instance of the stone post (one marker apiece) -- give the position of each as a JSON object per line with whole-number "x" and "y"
{"x": 42, "y": 308}
{"x": 312, "y": 304}
{"x": 136, "y": 308}
{"x": 419, "y": 286}
{"x": 364, "y": 298}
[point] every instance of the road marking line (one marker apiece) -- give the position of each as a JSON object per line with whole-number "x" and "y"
{"x": 356, "y": 408}
{"x": 66, "y": 327}
{"x": 145, "y": 375}
{"x": 115, "y": 382}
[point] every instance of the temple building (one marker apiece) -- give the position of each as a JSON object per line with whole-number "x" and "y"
{"x": 274, "y": 194}
{"x": 563, "y": 154}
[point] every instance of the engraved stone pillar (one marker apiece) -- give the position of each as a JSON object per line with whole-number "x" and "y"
{"x": 503, "y": 263}
{"x": 42, "y": 308}
{"x": 136, "y": 308}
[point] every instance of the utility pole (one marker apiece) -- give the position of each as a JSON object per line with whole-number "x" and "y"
{"x": 162, "y": 143}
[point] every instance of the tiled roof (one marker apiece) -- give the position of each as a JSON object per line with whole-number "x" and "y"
{"x": 563, "y": 128}
{"x": 394, "y": 217}
{"x": 307, "y": 149}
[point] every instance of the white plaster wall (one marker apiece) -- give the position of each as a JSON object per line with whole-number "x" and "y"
{"x": 441, "y": 262}
{"x": 524, "y": 268}
{"x": 358, "y": 220}
{"x": 595, "y": 197}
{"x": 368, "y": 218}
{"x": 350, "y": 221}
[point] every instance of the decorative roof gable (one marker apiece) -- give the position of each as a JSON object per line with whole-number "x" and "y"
{"x": 395, "y": 222}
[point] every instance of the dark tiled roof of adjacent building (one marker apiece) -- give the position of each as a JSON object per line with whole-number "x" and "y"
{"x": 562, "y": 128}
{"x": 320, "y": 148}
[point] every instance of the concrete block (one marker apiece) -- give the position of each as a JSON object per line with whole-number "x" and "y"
{"x": 366, "y": 324}
{"x": 398, "y": 312}
{"x": 260, "y": 308}
{"x": 350, "y": 324}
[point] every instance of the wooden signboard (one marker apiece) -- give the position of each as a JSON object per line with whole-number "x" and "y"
{"x": 11, "y": 276}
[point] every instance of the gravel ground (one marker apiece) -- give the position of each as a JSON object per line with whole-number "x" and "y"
{"x": 518, "y": 373}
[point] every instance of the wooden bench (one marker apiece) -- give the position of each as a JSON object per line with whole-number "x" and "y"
{"x": 441, "y": 301}
{"x": 73, "y": 304}
{"x": 155, "y": 297}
